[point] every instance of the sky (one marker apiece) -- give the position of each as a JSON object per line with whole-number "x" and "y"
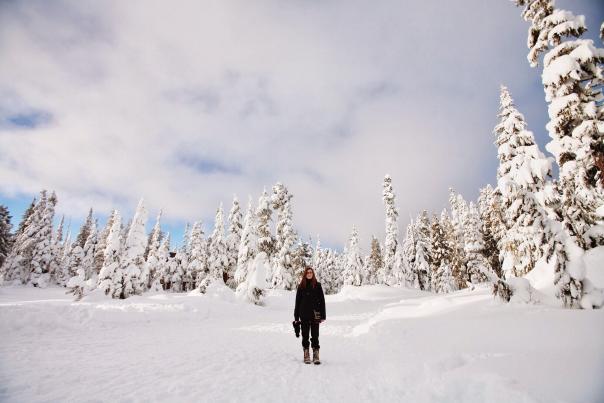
{"x": 187, "y": 104}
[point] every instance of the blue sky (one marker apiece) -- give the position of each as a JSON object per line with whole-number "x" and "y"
{"x": 189, "y": 103}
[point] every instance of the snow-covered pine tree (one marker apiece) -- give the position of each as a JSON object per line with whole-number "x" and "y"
{"x": 266, "y": 241}
{"x": 133, "y": 257}
{"x": 6, "y": 237}
{"x": 110, "y": 276}
{"x": 439, "y": 252}
{"x": 409, "y": 278}
{"x": 57, "y": 252}
{"x": 493, "y": 227}
{"x": 301, "y": 258}
{"x": 444, "y": 274}
{"x": 124, "y": 233}
{"x": 18, "y": 264}
{"x": 573, "y": 81}
{"x": 99, "y": 254}
{"x": 459, "y": 209}
{"x": 254, "y": 286}
{"x": 155, "y": 237}
{"x": 152, "y": 252}
{"x": 317, "y": 259}
{"x": 247, "y": 246}
{"x": 521, "y": 176}
{"x": 61, "y": 273}
{"x": 422, "y": 250}
{"x": 374, "y": 264}
{"x": 217, "y": 254}
{"x": 85, "y": 229}
{"x": 159, "y": 277}
{"x": 26, "y": 214}
{"x": 283, "y": 273}
{"x": 478, "y": 267}
{"x": 85, "y": 278}
{"x": 233, "y": 239}
{"x": 386, "y": 274}
{"x": 353, "y": 263}
{"x": 198, "y": 259}
{"x": 42, "y": 251}
{"x": 182, "y": 260}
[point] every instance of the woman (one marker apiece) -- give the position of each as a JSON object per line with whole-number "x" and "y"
{"x": 310, "y": 310}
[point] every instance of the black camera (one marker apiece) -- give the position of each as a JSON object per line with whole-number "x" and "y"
{"x": 296, "y": 325}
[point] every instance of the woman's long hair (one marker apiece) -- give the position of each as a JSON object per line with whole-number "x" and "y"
{"x": 303, "y": 279}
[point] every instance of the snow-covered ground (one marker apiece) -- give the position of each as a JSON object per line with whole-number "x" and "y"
{"x": 378, "y": 344}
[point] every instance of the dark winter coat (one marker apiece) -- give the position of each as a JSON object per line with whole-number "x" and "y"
{"x": 309, "y": 299}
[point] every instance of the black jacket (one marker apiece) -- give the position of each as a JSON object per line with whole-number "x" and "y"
{"x": 309, "y": 299}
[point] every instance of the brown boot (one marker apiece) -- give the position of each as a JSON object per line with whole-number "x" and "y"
{"x": 306, "y": 356}
{"x": 315, "y": 356}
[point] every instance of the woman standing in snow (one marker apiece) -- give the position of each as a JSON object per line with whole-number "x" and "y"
{"x": 310, "y": 311}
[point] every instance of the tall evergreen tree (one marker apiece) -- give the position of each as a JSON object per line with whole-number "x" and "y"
{"x": 217, "y": 254}
{"x": 521, "y": 176}
{"x": 493, "y": 226}
{"x": 283, "y": 273}
{"x": 374, "y": 264}
{"x": 387, "y": 275}
{"x": 572, "y": 79}
{"x": 42, "y": 250}
{"x": 99, "y": 253}
{"x": 409, "y": 278}
{"x": 459, "y": 210}
{"x": 478, "y": 267}
{"x": 110, "y": 276}
{"x": 233, "y": 239}
{"x": 422, "y": 251}
{"x": 353, "y": 263}
{"x": 133, "y": 257}
{"x": 247, "y": 246}
{"x": 6, "y": 237}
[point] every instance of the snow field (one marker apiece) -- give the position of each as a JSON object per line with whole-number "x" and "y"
{"x": 378, "y": 344}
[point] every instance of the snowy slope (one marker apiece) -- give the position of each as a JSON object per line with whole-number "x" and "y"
{"x": 378, "y": 344}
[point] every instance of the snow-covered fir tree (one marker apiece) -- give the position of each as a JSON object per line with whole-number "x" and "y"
{"x": 422, "y": 251}
{"x": 301, "y": 258}
{"x": 254, "y": 286}
{"x": 152, "y": 252}
{"x": 439, "y": 251}
{"x": 85, "y": 278}
{"x": 197, "y": 264}
{"x": 99, "y": 254}
{"x": 409, "y": 277}
{"x": 159, "y": 276}
{"x": 266, "y": 241}
{"x": 459, "y": 209}
{"x": 478, "y": 269}
{"x": 247, "y": 246}
{"x": 155, "y": 237}
{"x": 26, "y": 214}
{"x": 493, "y": 227}
{"x": 6, "y": 237}
{"x": 85, "y": 229}
{"x": 217, "y": 254}
{"x": 353, "y": 263}
{"x": 233, "y": 239}
{"x": 572, "y": 81}
{"x": 133, "y": 257}
{"x": 374, "y": 263}
{"x": 444, "y": 281}
{"x": 42, "y": 249}
{"x": 521, "y": 177}
{"x": 387, "y": 273}
{"x": 284, "y": 272}
{"x": 110, "y": 276}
